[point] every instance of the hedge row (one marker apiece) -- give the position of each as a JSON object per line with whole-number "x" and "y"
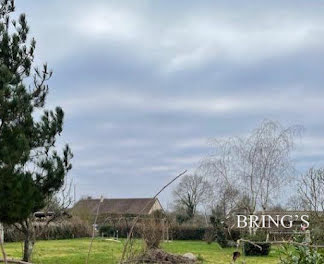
{"x": 78, "y": 229}
{"x": 118, "y": 230}
{"x": 63, "y": 230}
{"x": 189, "y": 232}
{"x": 177, "y": 232}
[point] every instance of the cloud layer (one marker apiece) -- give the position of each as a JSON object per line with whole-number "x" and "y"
{"x": 145, "y": 84}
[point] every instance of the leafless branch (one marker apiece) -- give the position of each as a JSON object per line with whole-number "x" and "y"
{"x": 129, "y": 236}
{"x": 256, "y": 165}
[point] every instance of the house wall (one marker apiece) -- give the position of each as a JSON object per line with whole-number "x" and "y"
{"x": 156, "y": 206}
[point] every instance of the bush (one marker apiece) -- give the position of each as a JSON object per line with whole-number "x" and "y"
{"x": 233, "y": 235}
{"x": 252, "y": 250}
{"x": 318, "y": 234}
{"x": 218, "y": 232}
{"x": 181, "y": 219}
{"x": 152, "y": 232}
{"x": 121, "y": 229}
{"x": 301, "y": 254}
{"x": 108, "y": 230}
{"x": 186, "y": 232}
{"x": 64, "y": 230}
{"x": 256, "y": 249}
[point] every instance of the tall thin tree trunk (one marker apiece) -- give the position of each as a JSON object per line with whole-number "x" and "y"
{"x": 3, "y": 252}
{"x": 28, "y": 247}
{"x": 29, "y": 240}
{"x": 1, "y": 244}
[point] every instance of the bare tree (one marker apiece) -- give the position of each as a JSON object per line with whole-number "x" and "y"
{"x": 311, "y": 193}
{"x": 256, "y": 165}
{"x": 311, "y": 189}
{"x": 296, "y": 203}
{"x": 192, "y": 191}
{"x": 227, "y": 200}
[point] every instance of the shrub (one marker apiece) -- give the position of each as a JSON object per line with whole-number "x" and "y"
{"x": 186, "y": 232}
{"x": 64, "y": 230}
{"x": 234, "y": 235}
{"x": 107, "y": 230}
{"x": 301, "y": 254}
{"x": 318, "y": 233}
{"x": 181, "y": 219}
{"x": 121, "y": 229}
{"x": 152, "y": 232}
{"x": 252, "y": 250}
{"x": 219, "y": 231}
{"x": 256, "y": 249}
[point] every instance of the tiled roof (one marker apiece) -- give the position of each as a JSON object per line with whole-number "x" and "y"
{"x": 117, "y": 206}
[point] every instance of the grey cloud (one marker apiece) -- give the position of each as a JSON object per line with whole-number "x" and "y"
{"x": 144, "y": 85}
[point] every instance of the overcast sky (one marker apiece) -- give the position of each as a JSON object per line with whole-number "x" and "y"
{"x": 146, "y": 84}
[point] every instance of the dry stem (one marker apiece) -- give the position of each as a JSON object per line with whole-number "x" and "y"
{"x": 137, "y": 217}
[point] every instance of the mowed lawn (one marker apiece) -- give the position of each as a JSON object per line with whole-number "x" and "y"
{"x": 108, "y": 252}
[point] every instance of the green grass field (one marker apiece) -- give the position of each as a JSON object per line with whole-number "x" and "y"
{"x": 108, "y": 252}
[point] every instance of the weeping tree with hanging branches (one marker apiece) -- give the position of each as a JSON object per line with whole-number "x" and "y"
{"x": 31, "y": 169}
{"x": 254, "y": 167}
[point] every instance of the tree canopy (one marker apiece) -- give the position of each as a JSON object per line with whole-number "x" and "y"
{"x": 30, "y": 167}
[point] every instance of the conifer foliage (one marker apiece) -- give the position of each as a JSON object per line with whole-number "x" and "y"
{"x": 31, "y": 169}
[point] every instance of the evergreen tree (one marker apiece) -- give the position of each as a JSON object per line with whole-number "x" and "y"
{"x": 31, "y": 170}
